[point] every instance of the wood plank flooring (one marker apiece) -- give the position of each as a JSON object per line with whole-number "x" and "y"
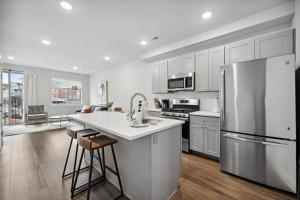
{"x": 31, "y": 167}
{"x": 202, "y": 180}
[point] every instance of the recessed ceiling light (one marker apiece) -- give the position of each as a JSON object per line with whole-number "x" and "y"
{"x": 206, "y": 15}
{"x": 66, "y": 5}
{"x": 75, "y": 68}
{"x": 144, "y": 42}
{"x": 46, "y": 42}
{"x": 10, "y": 57}
{"x": 106, "y": 58}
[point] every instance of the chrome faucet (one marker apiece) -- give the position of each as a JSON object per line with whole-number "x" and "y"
{"x": 131, "y": 101}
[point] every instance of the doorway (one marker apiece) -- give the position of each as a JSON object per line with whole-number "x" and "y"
{"x": 12, "y": 93}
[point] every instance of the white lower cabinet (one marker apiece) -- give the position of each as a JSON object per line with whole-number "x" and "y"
{"x": 212, "y": 141}
{"x": 196, "y": 137}
{"x": 205, "y": 137}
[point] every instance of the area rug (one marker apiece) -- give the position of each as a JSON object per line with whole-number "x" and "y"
{"x": 21, "y": 128}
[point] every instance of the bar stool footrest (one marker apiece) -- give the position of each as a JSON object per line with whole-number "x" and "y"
{"x": 84, "y": 187}
{"x": 81, "y": 170}
{"x": 111, "y": 170}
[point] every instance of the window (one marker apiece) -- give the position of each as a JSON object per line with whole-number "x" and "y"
{"x": 66, "y": 91}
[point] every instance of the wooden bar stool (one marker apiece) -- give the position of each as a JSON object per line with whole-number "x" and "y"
{"x": 73, "y": 132}
{"x": 92, "y": 144}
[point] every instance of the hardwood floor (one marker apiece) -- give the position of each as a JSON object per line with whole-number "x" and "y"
{"x": 202, "y": 180}
{"x": 31, "y": 167}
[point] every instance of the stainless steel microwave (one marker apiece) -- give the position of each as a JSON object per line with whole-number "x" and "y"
{"x": 180, "y": 82}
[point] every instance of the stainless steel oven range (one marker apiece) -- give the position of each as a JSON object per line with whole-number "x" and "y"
{"x": 180, "y": 109}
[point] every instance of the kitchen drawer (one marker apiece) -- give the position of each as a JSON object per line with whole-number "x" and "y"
{"x": 211, "y": 121}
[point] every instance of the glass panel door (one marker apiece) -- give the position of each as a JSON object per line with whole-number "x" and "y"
{"x": 12, "y": 88}
{"x": 1, "y": 100}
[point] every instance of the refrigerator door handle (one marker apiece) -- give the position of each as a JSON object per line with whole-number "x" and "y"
{"x": 256, "y": 141}
{"x": 222, "y": 97}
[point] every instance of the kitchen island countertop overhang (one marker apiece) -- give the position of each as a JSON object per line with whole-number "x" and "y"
{"x": 117, "y": 124}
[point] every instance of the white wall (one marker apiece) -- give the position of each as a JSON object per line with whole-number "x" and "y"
{"x": 123, "y": 82}
{"x": 44, "y": 77}
{"x": 126, "y": 79}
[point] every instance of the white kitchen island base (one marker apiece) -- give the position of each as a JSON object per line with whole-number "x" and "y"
{"x": 150, "y": 166}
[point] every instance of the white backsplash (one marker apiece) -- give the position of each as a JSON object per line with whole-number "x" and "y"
{"x": 210, "y": 105}
{"x": 208, "y": 100}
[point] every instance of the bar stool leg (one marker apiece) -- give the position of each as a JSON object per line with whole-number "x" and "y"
{"x": 90, "y": 173}
{"x": 66, "y": 162}
{"x": 104, "y": 165}
{"x": 77, "y": 173}
{"x": 117, "y": 169}
{"x": 74, "y": 168}
{"x": 100, "y": 160}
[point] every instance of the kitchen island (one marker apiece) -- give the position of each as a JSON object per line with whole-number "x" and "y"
{"x": 149, "y": 158}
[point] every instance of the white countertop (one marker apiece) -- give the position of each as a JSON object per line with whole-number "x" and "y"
{"x": 116, "y": 123}
{"x": 154, "y": 109}
{"x": 205, "y": 113}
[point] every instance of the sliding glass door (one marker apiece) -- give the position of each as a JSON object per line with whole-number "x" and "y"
{"x": 1, "y": 124}
{"x": 12, "y": 89}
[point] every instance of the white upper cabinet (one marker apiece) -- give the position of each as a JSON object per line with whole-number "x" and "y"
{"x": 160, "y": 77}
{"x": 155, "y": 78}
{"x": 275, "y": 44}
{"x": 163, "y": 77}
{"x": 181, "y": 65}
{"x": 206, "y": 63}
{"x": 174, "y": 66}
{"x": 202, "y": 71}
{"x": 188, "y": 63}
{"x": 216, "y": 59}
{"x": 239, "y": 51}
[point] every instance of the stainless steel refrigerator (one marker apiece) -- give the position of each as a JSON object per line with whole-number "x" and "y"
{"x": 258, "y": 121}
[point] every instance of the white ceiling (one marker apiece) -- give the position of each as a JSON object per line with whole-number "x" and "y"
{"x": 97, "y": 28}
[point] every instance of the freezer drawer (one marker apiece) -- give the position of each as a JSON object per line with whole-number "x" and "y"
{"x": 264, "y": 160}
